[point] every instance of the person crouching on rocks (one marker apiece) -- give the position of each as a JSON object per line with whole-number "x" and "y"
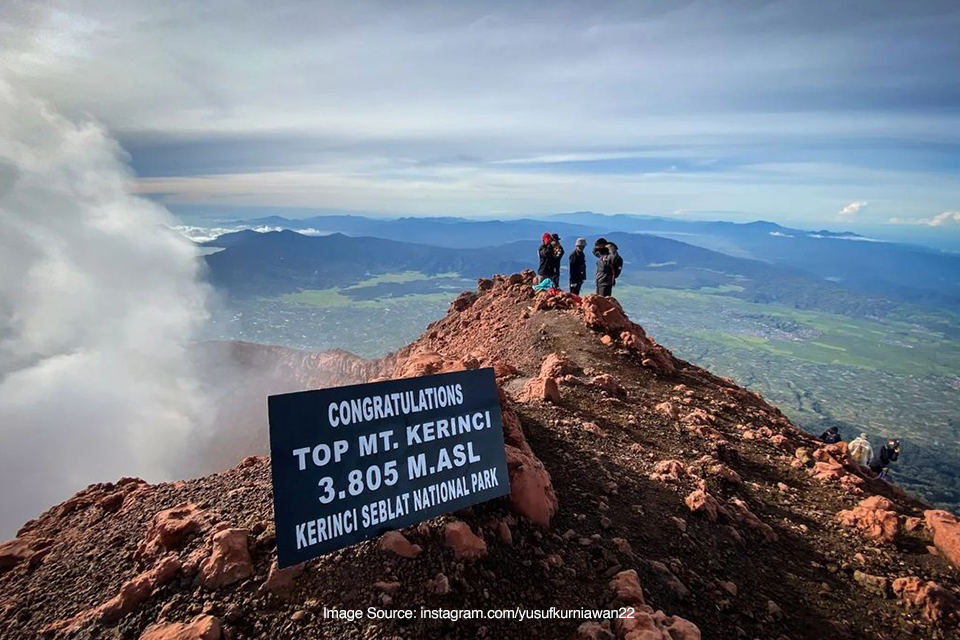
{"x": 860, "y": 450}
{"x": 831, "y": 436}
{"x": 578, "y": 266}
{"x": 550, "y": 254}
{"x": 888, "y": 453}
{"x": 606, "y": 264}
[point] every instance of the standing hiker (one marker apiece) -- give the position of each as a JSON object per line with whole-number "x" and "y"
{"x": 578, "y": 266}
{"x": 606, "y": 259}
{"x": 549, "y": 262}
{"x": 860, "y": 450}
{"x": 888, "y": 453}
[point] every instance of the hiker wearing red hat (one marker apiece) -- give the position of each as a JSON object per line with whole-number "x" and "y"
{"x": 550, "y": 254}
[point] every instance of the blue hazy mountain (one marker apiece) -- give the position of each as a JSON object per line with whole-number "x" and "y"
{"x": 895, "y": 271}
{"x": 263, "y": 264}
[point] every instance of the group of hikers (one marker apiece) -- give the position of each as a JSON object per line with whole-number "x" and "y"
{"x": 609, "y": 264}
{"x": 861, "y": 452}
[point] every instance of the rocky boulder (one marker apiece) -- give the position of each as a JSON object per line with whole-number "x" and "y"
{"x": 702, "y": 502}
{"x": 531, "y": 489}
{"x": 229, "y": 561}
{"x": 170, "y": 529}
{"x": 875, "y": 518}
{"x": 202, "y": 627}
{"x": 557, "y": 366}
{"x": 464, "y": 542}
{"x": 397, "y": 543}
{"x": 22, "y": 549}
{"x": 932, "y": 601}
{"x": 541, "y": 390}
{"x": 945, "y": 529}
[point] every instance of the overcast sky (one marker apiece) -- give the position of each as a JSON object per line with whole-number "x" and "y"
{"x": 805, "y": 111}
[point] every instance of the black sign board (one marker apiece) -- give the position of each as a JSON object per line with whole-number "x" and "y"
{"x": 350, "y": 463}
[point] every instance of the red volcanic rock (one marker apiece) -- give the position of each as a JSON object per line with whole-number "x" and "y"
{"x": 531, "y": 490}
{"x": 912, "y": 523}
{"x": 647, "y": 624}
{"x": 594, "y": 631}
{"x": 24, "y": 548}
{"x": 608, "y": 384}
{"x": 464, "y": 542}
{"x": 725, "y": 472}
{"x": 503, "y": 370}
{"x": 605, "y": 315}
{"x": 396, "y": 542}
{"x": 594, "y": 428}
{"x": 668, "y": 471}
{"x": 945, "y": 529}
{"x": 112, "y": 502}
{"x": 875, "y": 518}
{"x": 229, "y": 562}
{"x": 202, "y": 627}
{"x": 135, "y": 591}
{"x": 170, "y": 528}
{"x": 668, "y": 409}
{"x": 439, "y": 586}
{"x": 702, "y": 502}
{"x": 541, "y": 390}
{"x": 425, "y": 363}
{"x": 626, "y": 585}
{"x": 131, "y": 595}
{"x": 929, "y": 598}
{"x": 464, "y": 301}
{"x": 698, "y": 417}
{"x": 557, "y": 366}
{"x": 280, "y": 582}
{"x": 740, "y": 513}
{"x": 828, "y": 470}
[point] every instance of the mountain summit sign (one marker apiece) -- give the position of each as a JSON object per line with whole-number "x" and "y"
{"x": 350, "y": 463}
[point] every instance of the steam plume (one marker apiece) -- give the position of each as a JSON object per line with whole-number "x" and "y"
{"x": 98, "y": 302}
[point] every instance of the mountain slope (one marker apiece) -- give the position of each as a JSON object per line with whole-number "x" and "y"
{"x": 268, "y": 264}
{"x": 628, "y": 468}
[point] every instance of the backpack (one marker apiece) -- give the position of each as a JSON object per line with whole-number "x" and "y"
{"x": 617, "y": 266}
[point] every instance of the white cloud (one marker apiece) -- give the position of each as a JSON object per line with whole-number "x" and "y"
{"x": 939, "y": 220}
{"x": 852, "y": 209}
{"x": 374, "y": 96}
{"x": 98, "y": 304}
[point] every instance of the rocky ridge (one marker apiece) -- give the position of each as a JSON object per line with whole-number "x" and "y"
{"x": 637, "y": 480}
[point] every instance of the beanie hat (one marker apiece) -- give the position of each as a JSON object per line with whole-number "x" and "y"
{"x": 581, "y": 242}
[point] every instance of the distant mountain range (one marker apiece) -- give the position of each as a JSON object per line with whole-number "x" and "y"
{"x": 840, "y": 272}
{"x": 268, "y": 264}
{"x": 899, "y": 272}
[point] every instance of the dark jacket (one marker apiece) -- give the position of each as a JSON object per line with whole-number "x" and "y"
{"x": 830, "y": 437}
{"x": 888, "y": 455}
{"x": 550, "y": 255}
{"x": 578, "y": 265}
{"x": 606, "y": 275}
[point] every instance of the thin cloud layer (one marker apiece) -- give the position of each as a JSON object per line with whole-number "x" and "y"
{"x": 939, "y": 220}
{"x": 429, "y": 107}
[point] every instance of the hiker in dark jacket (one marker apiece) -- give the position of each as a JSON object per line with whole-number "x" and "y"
{"x": 606, "y": 259}
{"x": 831, "y": 436}
{"x": 888, "y": 453}
{"x": 550, "y": 254}
{"x": 578, "y": 266}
